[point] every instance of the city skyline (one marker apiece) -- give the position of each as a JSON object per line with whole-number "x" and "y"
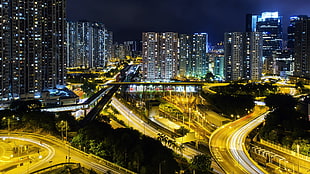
{"x": 128, "y": 19}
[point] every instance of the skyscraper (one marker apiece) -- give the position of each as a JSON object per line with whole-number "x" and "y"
{"x": 243, "y": 55}
{"x": 193, "y": 55}
{"x": 299, "y": 42}
{"x": 233, "y": 43}
{"x": 160, "y": 56}
{"x": 33, "y": 47}
{"x": 186, "y": 47}
{"x": 270, "y": 24}
{"x": 87, "y": 44}
{"x": 199, "y": 55}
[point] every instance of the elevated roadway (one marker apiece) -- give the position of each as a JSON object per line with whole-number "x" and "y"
{"x": 228, "y": 148}
{"x": 58, "y": 151}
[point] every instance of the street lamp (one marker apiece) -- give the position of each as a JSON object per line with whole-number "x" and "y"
{"x": 9, "y": 121}
{"x": 298, "y": 156}
{"x": 64, "y": 124}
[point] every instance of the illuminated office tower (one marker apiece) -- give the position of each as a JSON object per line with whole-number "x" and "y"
{"x": 33, "y": 47}
{"x": 270, "y": 24}
{"x": 87, "y": 44}
{"x": 160, "y": 56}
{"x": 193, "y": 55}
{"x": 243, "y": 55}
{"x": 299, "y": 42}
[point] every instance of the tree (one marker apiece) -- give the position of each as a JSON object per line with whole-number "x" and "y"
{"x": 25, "y": 106}
{"x": 280, "y": 101}
{"x": 299, "y": 85}
{"x": 209, "y": 77}
{"x": 201, "y": 164}
{"x": 89, "y": 87}
{"x": 182, "y": 131}
{"x": 232, "y": 104}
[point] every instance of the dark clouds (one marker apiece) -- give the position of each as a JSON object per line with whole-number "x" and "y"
{"x": 129, "y": 18}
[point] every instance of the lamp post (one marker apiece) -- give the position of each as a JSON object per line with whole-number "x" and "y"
{"x": 66, "y": 139}
{"x": 9, "y": 121}
{"x": 189, "y": 117}
{"x": 298, "y": 156}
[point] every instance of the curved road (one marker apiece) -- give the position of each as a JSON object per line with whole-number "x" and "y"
{"x": 58, "y": 152}
{"x": 137, "y": 123}
{"x": 227, "y": 144}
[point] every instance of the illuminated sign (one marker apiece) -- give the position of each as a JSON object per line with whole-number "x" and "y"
{"x": 266, "y": 15}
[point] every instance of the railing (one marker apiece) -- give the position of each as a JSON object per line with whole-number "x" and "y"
{"x": 53, "y": 167}
{"x": 99, "y": 160}
{"x": 285, "y": 150}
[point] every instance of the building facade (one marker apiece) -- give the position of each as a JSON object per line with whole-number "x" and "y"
{"x": 87, "y": 44}
{"x": 299, "y": 42}
{"x": 243, "y": 56}
{"x": 186, "y": 47}
{"x": 270, "y": 25}
{"x": 193, "y": 55}
{"x": 160, "y": 56}
{"x": 33, "y": 51}
{"x": 199, "y": 55}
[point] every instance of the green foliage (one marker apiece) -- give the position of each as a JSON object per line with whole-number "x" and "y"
{"x": 210, "y": 77}
{"x": 232, "y": 104}
{"x": 126, "y": 147}
{"x": 25, "y": 106}
{"x": 254, "y": 89}
{"x": 36, "y": 120}
{"x": 301, "y": 145}
{"x": 89, "y": 87}
{"x": 280, "y": 101}
{"x": 284, "y": 125}
{"x": 66, "y": 116}
{"x": 182, "y": 131}
{"x": 201, "y": 164}
{"x": 299, "y": 85}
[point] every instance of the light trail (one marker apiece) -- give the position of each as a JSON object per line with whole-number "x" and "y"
{"x": 236, "y": 145}
{"x": 141, "y": 126}
{"x": 237, "y": 149}
{"x": 227, "y": 145}
{"x": 50, "y": 155}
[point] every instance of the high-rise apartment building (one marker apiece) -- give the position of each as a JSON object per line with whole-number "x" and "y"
{"x": 186, "y": 47}
{"x": 199, "y": 55}
{"x": 243, "y": 55}
{"x": 270, "y": 24}
{"x": 160, "y": 56}
{"x": 32, "y": 36}
{"x": 87, "y": 44}
{"x": 193, "y": 55}
{"x": 299, "y": 42}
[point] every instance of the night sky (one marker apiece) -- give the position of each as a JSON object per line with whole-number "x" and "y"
{"x": 129, "y": 18}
